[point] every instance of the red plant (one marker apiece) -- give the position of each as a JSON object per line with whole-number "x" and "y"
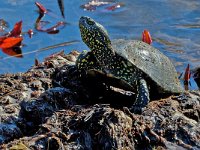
{"x": 146, "y": 37}
{"x": 52, "y": 30}
{"x": 17, "y": 30}
{"x": 113, "y": 7}
{"x": 38, "y": 23}
{"x": 42, "y": 9}
{"x": 30, "y": 33}
{"x": 187, "y": 76}
{"x": 13, "y": 51}
{"x": 9, "y": 42}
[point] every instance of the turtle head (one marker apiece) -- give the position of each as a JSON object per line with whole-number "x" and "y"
{"x": 93, "y": 34}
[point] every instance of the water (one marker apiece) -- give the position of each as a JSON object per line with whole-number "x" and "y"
{"x": 173, "y": 24}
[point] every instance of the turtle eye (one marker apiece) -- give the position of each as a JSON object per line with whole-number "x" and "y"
{"x": 90, "y": 22}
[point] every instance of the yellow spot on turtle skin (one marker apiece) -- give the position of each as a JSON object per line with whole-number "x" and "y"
{"x": 129, "y": 64}
{"x": 128, "y": 71}
{"x": 84, "y": 60}
{"x": 131, "y": 69}
{"x": 118, "y": 67}
{"x": 125, "y": 73}
{"x": 118, "y": 72}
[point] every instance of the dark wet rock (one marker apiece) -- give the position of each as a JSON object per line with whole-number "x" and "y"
{"x": 51, "y": 107}
{"x": 15, "y": 90}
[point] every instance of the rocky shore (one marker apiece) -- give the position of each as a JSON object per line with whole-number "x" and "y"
{"x": 51, "y": 107}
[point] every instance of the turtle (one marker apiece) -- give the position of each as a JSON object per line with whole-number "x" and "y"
{"x": 133, "y": 64}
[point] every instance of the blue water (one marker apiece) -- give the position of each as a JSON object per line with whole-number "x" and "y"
{"x": 173, "y": 24}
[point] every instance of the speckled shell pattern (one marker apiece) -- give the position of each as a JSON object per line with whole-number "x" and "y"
{"x": 151, "y": 62}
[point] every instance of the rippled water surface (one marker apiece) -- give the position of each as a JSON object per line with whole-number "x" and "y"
{"x": 173, "y": 24}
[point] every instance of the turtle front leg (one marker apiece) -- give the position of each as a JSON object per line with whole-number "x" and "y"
{"x": 142, "y": 97}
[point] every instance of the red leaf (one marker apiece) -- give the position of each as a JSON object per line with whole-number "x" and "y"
{"x": 51, "y": 30}
{"x": 187, "y": 73}
{"x": 2, "y": 38}
{"x": 9, "y": 42}
{"x": 30, "y": 33}
{"x": 113, "y": 7}
{"x": 36, "y": 62}
{"x": 146, "y": 37}
{"x": 42, "y": 9}
{"x": 16, "y": 30}
{"x": 187, "y": 76}
{"x": 14, "y": 51}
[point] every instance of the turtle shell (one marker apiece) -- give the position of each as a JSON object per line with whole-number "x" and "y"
{"x": 151, "y": 61}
